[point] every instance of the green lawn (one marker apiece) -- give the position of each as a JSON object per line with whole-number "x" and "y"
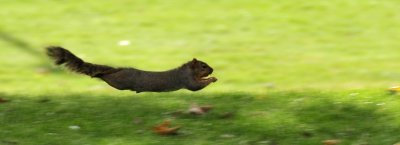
{"x": 291, "y": 72}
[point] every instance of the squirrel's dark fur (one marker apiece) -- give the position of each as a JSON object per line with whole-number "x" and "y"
{"x": 191, "y": 75}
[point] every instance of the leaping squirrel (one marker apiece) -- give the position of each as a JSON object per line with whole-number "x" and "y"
{"x": 192, "y": 75}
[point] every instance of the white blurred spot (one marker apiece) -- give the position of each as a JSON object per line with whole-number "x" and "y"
{"x": 244, "y": 142}
{"x": 394, "y": 87}
{"x": 140, "y": 131}
{"x": 380, "y": 104}
{"x": 180, "y": 42}
{"x": 298, "y": 100}
{"x": 354, "y": 94}
{"x": 227, "y": 135}
{"x": 50, "y": 113}
{"x": 264, "y": 142}
{"x": 269, "y": 85}
{"x": 124, "y": 43}
{"x": 74, "y": 127}
{"x": 97, "y": 87}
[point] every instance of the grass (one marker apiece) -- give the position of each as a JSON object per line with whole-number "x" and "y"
{"x": 280, "y": 118}
{"x": 292, "y": 72}
{"x": 274, "y": 118}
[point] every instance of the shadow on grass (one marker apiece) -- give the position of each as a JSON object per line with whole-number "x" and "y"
{"x": 25, "y": 47}
{"x": 275, "y": 118}
{"x": 350, "y": 122}
{"x": 19, "y": 43}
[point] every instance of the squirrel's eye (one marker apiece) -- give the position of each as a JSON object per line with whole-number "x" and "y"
{"x": 204, "y": 66}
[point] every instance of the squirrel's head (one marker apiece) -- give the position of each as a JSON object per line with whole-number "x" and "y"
{"x": 200, "y": 69}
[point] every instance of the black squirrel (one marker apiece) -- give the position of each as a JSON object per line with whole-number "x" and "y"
{"x": 192, "y": 75}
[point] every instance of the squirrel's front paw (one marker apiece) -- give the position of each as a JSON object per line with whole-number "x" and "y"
{"x": 213, "y": 79}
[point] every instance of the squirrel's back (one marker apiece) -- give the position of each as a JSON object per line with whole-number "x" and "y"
{"x": 141, "y": 81}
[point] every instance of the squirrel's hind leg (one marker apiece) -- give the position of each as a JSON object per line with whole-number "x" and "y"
{"x": 115, "y": 80}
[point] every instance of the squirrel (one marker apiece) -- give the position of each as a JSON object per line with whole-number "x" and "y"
{"x": 192, "y": 75}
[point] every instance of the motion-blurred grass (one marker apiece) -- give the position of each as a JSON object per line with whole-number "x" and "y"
{"x": 258, "y": 48}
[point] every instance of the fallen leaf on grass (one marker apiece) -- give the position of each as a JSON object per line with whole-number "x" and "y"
{"x": 199, "y": 110}
{"x": 4, "y": 100}
{"x": 7, "y": 142}
{"x": 175, "y": 113}
{"x": 165, "y": 129}
{"x": 331, "y": 142}
{"x": 307, "y": 134}
{"x": 394, "y": 89}
{"x": 226, "y": 115}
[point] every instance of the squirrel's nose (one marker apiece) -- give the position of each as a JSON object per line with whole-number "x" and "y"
{"x": 211, "y": 70}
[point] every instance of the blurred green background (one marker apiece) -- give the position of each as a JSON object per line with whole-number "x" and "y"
{"x": 282, "y": 49}
{"x": 251, "y": 44}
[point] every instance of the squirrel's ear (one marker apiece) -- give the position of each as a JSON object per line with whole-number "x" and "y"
{"x": 193, "y": 63}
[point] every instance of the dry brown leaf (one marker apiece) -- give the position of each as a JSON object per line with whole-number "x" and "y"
{"x": 165, "y": 129}
{"x": 307, "y": 134}
{"x": 206, "y": 108}
{"x": 3, "y": 100}
{"x": 227, "y": 115}
{"x": 176, "y": 113}
{"x": 331, "y": 142}
{"x": 199, "y": 110}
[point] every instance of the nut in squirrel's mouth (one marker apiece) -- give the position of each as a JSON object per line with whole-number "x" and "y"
{"x": 202, "y": 76}
{"x": 205, "y": 77}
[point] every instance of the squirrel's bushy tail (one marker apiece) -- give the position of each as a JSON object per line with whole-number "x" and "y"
{"x": 72, "y": 62}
